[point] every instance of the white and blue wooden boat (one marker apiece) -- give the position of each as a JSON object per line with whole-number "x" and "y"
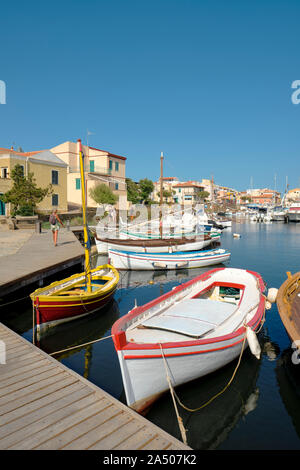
{"x": 192, "y": 330}
{"x": 122, "y": 259}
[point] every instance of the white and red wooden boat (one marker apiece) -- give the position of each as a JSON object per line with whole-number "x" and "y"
{"x": 197, "y": 328}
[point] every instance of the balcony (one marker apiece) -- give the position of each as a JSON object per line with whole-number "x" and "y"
{"x": 88, "y": 168}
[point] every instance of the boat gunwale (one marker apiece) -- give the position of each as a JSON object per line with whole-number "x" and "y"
{"x": 186, "y": 254}
{"x": 38, "y": 293}
{"x": 119, "y": 335}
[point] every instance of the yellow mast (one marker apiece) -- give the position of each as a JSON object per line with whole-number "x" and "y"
{"x": 84, "y": 215}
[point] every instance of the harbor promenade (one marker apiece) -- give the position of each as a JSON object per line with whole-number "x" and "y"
{"x": 46, "y": 406}
{"x": 27, "y": 257}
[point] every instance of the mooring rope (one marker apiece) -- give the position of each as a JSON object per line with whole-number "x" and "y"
{"x": 179, "y": 419}
{"x": 80, "y": 345}
{"x": 14, "y": 301}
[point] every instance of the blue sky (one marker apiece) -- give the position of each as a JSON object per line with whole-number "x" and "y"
{"x": 206, "y": 82}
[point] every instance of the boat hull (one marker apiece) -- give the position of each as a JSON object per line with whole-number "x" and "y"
{"x": 293, "y": 216}
{"x": 146, "y": 247}
{"x": 145, "y": 366}
{"x": 144, "y": 371}
{"x": 160, "y": 261}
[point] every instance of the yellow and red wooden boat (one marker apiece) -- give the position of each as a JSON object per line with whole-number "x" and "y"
{"x": 288, "y": 304}
{"x": 69, "y": 299}
{"x": 80, "y": 294}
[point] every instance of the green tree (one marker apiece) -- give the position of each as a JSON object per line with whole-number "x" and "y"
{"x": 146, "y": 188}
{"x": 166, "y": 194}
{"x": 202, "y": 195}
{"x": 102, "y": 194}
{"x": 133, "y": 191}
{"x": 25, "y": 194}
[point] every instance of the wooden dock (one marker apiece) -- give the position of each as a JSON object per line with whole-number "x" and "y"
{"x": 45, "y": 405}
{"x": 35, "y": 258}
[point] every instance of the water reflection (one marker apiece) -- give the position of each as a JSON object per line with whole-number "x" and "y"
{"x": 261, "y": 407}
{"x": 288, "y": 379}
{"x": 208, "y": 427}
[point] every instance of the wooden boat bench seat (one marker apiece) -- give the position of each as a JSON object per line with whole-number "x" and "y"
{"x": 192, "y": 317}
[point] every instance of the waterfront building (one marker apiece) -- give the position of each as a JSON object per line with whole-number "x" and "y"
{"x": 264, "y": 197}
{"x": 188, "y": 192}
{"x": 100, "y": 167}
{"x": 46, "y": 167}
{"x": 168, "y": 183}
{"x": 293, "y": 195}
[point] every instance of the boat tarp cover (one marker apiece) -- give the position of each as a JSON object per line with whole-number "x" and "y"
{"x": 192, "y": 317}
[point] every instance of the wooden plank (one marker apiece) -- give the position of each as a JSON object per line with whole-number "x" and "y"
{"x": 25, "y": 408}
{"x": 43, "y": 392}
{"x": 102, "y": 425}
{"x": 38, "y": 404}
{"x": 137, "y": 440}
{"x": 31, "y": 368}
{"x": 118, "y": 436}
{"x": 19, "y": 354}
{"x": 42, "y": 440}
{"x": 27, "y": 374}
{"x": 73, "y": 399}
{"x": 32, "y": 389}
{"x": 23, "y": 384}
{"x": 157, "y": 443}
{"x": 15, "y": 438}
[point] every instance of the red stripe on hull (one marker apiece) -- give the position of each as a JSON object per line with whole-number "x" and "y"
{"x": 61, "y": 310}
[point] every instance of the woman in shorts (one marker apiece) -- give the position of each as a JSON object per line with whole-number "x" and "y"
{"x": 54, "y": 224}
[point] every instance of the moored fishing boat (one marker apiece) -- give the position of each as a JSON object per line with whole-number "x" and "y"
{"x": 70, "y": 299}
{"x": 164, "y": 245}
{"x": 103, "y": 242}
{"x": 288, "y": 304}
{"x": 80, "y": 294}
{"x": 193, "y": 330}
{"x": 122, "y": 259}
{"x": 293, "y": 213}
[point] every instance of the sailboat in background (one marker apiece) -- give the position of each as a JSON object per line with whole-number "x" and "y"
{"x": 80, "y": 294}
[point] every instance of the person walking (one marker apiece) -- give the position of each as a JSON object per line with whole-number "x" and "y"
{"x": 54, "y": 223}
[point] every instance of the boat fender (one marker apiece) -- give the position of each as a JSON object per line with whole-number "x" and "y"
{"x": 268, "y": 305}
{"x": 272, "y": 295}
{"x": 253, "y": 342}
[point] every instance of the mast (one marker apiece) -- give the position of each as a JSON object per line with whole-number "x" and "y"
{"x": 161, "y": 193}
{"x": 84, "y": 215}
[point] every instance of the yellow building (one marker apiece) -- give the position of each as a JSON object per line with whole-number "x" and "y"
{"x": 47, "y": 169}
{"x": 100, "y": 167}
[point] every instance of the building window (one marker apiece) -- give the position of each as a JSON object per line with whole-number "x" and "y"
{"x": 116, "y": 186}
{"x": 92, "y": 165}
{"x": 110, "y": 164}
{"x": 22, "y": 166}
{"x": 117, "y": 166}
{"x": 4, "y": 172}
{"x": 54, "y": 177}
{"x": 78, "y": 185}
{"x": 54, "y": 199}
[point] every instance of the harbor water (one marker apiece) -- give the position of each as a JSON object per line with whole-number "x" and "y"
{"x": 259, "y": 410}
